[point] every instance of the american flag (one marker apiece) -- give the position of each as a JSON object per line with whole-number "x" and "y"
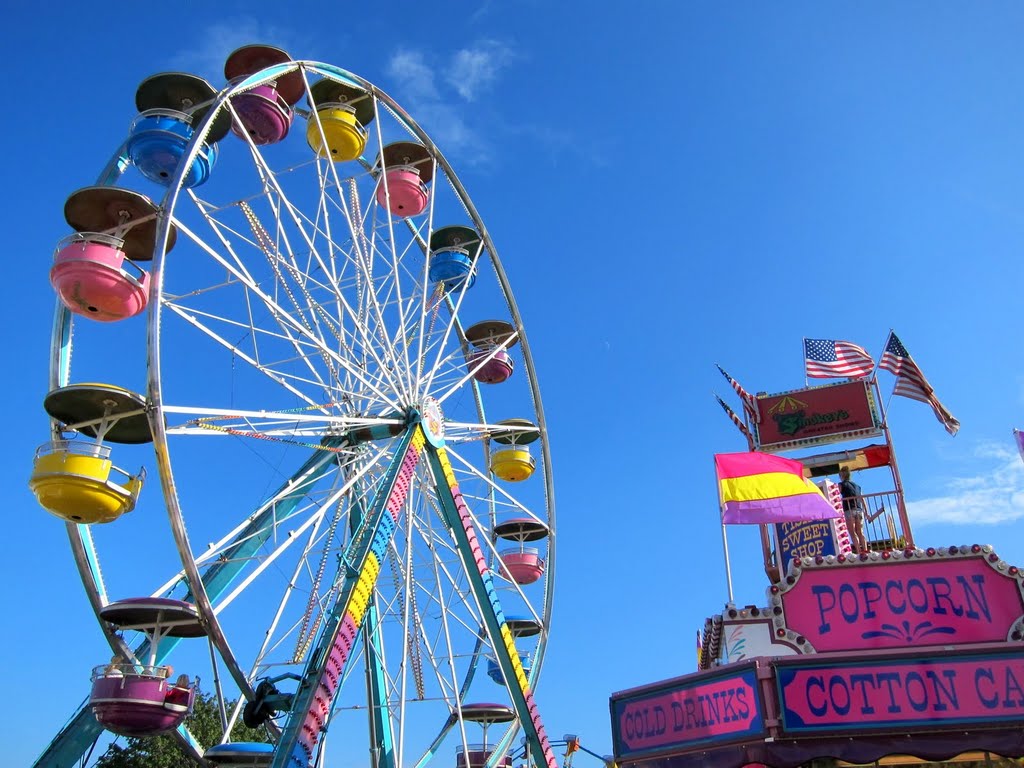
{"x": 749, "y": 401}
{"x": 910, "y": 382}
{"x": 829, "y": 359}
{"x": 736, "y": 420}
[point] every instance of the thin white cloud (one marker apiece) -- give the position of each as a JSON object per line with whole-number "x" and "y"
{"x": 995, "y": 496}
{"x": 207, "y": 55}
{"x": 481, "y": 12}
{"x": 559, "y": 145}
{"x": 449, "y": 130}
{"x": 414, "y": 75}
{"x": 436, "y": 92}
{"x": 416, "y": 86}
{"x": 474, "y": 69}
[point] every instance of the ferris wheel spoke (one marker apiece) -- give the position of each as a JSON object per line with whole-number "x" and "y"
{"x": 396, "y": 262}
{"x": 408, "y": 265}
{"x": 335, "y": 261}
{"x": 364, "y": 251}
{"x": 287, "y": 274}
{"x": 351, "y": 215}
{"x": 226, "y": 558}
{"x": 272, "y": 182}
{"x": 447, "y": 572}
{"x": 441, "y": 356}
{"x": 500, "y": 495}
{"x": 441, "y": 651}
{"x": 478, "y": 365}
{"x": 313, "y": 415}
{"x": 201, "y": 319}
{"x": 303, "y": 277}
{"x": 192, "y": 320}
{"x": 221, "y": 231}
{"x": 410, "y": 334}
{"x": 242, "y": 276}
{"x": 311, "y": 524}
{"x": 290, "y": 325}
{"x": 424, "y": 243}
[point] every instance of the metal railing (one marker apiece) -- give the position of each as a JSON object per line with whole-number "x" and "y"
{"x": 883, "y": 527}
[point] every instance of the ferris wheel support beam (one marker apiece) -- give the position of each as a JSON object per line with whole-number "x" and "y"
{"x": 82, "y": 730}
{"x": 219, "y": 576}
{"x": 312, "y": 702}
{"x": 382, "y": 738}
{"x": 477, "y": 571}
{"x": 431, "y": 752}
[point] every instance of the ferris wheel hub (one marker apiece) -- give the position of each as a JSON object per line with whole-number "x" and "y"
{"x": 432, "y": 420}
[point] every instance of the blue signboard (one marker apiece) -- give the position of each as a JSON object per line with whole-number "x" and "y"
{"x": 807, "y": 539}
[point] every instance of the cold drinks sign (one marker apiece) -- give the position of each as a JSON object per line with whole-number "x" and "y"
{"x": 947, "y": 600}
{"x": 710, "y": 710}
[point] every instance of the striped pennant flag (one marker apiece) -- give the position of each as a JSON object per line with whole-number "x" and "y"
{"x": 736, "y": 420}
{"x": 749, "y": 401}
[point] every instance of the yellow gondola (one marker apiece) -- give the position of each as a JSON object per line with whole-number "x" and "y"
{"x": 513, "y": 461}
{"x": 336, "y": 127}
{"x": 78, "y": 482}
{"x": 513, "y": 464}
{"x": 75, "y": 479}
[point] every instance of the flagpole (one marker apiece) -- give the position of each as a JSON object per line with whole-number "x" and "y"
{"x": 908, "y": 533}
{"x": 728, "y": 568}
{"x": 878, "y": 390}
{"x": 725, "y": 539}
{"x": 874, "y": 371}
{"x": 803, "y": 358}
{"x": 742, "y": 426}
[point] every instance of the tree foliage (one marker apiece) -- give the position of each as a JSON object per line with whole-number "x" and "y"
{"x": 164, "y": 751}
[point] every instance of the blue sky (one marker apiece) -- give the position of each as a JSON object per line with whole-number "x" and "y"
{"x": 679, "y": 185}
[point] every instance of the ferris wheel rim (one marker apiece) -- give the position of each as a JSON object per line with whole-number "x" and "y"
{"x": 154, "y": 383}
{"x": 60, "y": 362}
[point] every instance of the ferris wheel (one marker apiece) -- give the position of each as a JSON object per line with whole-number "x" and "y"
{"x": 338, "y": 406}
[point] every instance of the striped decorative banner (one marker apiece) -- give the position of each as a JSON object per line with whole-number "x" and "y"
{"x": 764, "y": 488}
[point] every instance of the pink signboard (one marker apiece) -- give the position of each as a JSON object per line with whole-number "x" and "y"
{"x": 687, "y": 713}
{"x": 902, "y": 603}
{"x": 934, "y": 693}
